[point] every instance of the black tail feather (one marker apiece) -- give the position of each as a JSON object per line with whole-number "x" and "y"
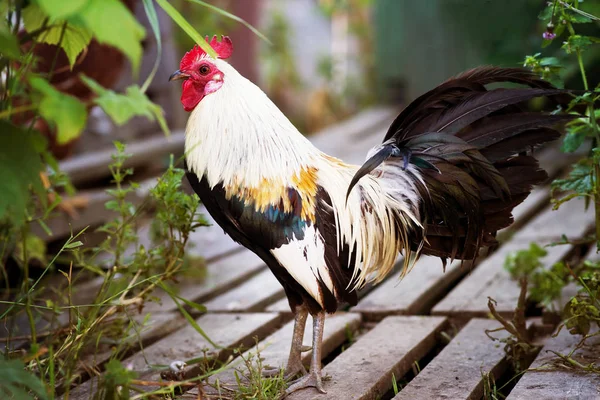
{"x": 466, "y": 142}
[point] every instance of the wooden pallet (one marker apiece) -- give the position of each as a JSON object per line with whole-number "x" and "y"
{"x": 424, "y": 335}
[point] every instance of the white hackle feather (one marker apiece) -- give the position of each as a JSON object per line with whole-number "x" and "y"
{"x": 237, "y": 137}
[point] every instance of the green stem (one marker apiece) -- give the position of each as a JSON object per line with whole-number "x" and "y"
{"x": 26, "y": 288}
{"x": 595, "y": 160}
{"x": 16, "y": 110}
{"x": 582, "y": 69}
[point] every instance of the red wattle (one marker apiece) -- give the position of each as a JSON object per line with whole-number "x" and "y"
{"x": 191, "y": 94}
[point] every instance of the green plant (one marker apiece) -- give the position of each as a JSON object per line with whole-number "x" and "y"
{"x": 562, "y": 17}
{"x": 539, "y": 283}
{"x": 252, "y": 384}
{"x": 109, "y": 323}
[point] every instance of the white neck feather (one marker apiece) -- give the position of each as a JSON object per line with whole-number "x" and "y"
{"x": 236, "y": 135}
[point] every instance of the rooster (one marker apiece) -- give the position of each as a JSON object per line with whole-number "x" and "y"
{"x": 451, "y": 168}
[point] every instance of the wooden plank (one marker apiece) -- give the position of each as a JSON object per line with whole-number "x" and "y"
{"x": 416, "y": 293}
{"x": 282, "y": 306}
{"x": 252, "y": 295}
{"x": 274, "y": 350}
{"x": 228, "y": 331}
{"x": 91, "y": 166}
{"x": 456, "y": 373}
{"x": 364, "y": 371}
{"x": 373, "y": 122}
{"x": 546, "y": 380}
{"x": 469, "y": 298}
{"x": 571, "y": 219}
{"x": 221, "y": 275}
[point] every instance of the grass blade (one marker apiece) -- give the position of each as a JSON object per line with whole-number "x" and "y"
{"x": 189, "y": 29}
{"x": 187, "y": 315}
{"x": 233, "y": 17}
{"x": 153, "y": 18}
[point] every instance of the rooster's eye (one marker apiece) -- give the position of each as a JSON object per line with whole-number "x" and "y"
{"x": 204, "y": 69}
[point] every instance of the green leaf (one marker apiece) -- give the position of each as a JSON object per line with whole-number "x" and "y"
{"x": 546, "y": 13}
{"x": 576, "y": 43}
{"x": 573, "y": 140}
{"x": 20, "y": 165}
{"x": 550, "y": 62}
{"x": 189, "y": 29}
{"x": 524, "y": 262}
{"x": 122, "y": 107}
{"x": 15, "y": 379}
{"x": 580, "y": 179}
{"x": 9, "y": 45}
{"x": 65, "y": 111}
{"x": 112, "y": 23}
{"x": 75, "y": 38}
{"x": 35, "y": 246}
{"x": 577, "y": 18}
{"x": 73, "y": 245}
{"x": 59, "y": 9}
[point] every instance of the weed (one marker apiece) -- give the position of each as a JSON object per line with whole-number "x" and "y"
{"x": 109, "y": 325}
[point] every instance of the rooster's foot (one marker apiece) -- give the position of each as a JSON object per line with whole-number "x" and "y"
{"x": 313, "y": 379}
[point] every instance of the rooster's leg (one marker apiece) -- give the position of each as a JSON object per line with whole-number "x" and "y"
{"x": 313, "y": 379}
{"x": 294, "y": 364}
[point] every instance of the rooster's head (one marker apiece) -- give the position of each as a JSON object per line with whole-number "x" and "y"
{"x": 200, "y": 72}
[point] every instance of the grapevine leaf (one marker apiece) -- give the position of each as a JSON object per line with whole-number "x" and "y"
{"x": 122, "y": 107}
{"x": 20, "y": 165}
{"x": 66, "y": 112}
{"x": 59, "y": 9}
{"x": 112, "y": 23}
{"x": 75, "y": 38}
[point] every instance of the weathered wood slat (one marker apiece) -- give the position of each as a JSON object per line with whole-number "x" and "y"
{"x": 274, "y": 350}
{"x": 221, "y": 275}
{"x": 545, "y": 379}
{"x": 91, "y": 166}
{"x": 416, "y": 293}
{"x": 336, "y": 139}
{"x": 457, "y": 372}
{"x": 365, "y": 370}
{"x": 252, "y": 295}
{"x": 282, "y": 306}
{"x": 469, "y": 298}
{"x": 228, "y": 331}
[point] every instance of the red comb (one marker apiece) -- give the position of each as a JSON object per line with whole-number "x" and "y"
{"x": 224, "y": 48}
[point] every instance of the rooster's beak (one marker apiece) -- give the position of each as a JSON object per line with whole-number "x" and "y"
{"x": 177, "y": 75}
